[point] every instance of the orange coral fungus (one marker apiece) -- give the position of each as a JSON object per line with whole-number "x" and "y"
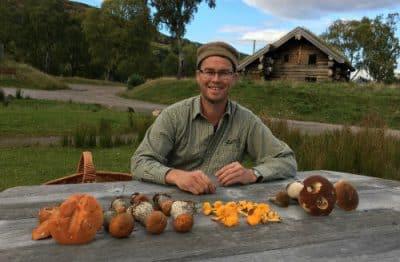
{"x": 228, "y": 214}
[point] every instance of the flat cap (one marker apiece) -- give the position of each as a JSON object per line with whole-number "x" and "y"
{"x": 218, "y": 49}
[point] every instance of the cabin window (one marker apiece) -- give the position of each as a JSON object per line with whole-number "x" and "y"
{"x": 312, "y": 59}
{"x": 311, "y": 79}
{"x": 286, "y": 58}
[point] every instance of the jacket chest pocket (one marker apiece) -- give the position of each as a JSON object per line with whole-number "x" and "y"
{"x": 230, "y": 151}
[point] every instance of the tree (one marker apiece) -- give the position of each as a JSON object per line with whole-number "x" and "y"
{"x": 370, "y": 44}
{"x": 119, "y": 35}
{"x": 175, "y": 15}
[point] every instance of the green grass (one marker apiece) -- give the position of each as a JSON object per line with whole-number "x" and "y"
{"x": 369, "y": 152}
{"x": 30, "y": 117}
{"x": 35, "y": 165}
{"x": 330, "y": 102}
{"x": 29, "y": 77}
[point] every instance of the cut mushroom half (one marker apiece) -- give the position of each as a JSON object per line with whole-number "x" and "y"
{"x": 318, "y": 196}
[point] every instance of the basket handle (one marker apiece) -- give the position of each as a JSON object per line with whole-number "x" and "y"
{"x": 86, "y": 167}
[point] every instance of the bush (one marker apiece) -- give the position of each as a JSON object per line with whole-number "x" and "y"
{"x": 135, "y": 80}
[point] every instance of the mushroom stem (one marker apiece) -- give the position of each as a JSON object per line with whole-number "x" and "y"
{"x": 142, "y": 211}
{"x": 163, "y": 202}
{"x": 293, "y": 189}
{"x": 182, "y": 214}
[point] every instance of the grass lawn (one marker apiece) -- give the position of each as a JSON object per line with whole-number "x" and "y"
{"x": 329, "y": 102}
{"x": 34, "y": 165}
{"x": 30, "y": 117}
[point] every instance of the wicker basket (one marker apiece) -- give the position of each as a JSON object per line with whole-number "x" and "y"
{"x": 86, "y": 173}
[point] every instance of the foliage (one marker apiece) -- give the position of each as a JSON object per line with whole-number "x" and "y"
{"x": 370, "y": 44}
{"x": 175, "y": 15}
{"x": 135, "y": 80}
{"x": 119, "y": 35}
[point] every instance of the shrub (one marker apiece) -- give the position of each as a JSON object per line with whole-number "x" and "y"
{"x": 135, "y": 80}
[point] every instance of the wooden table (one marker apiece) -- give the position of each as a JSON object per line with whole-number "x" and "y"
{"x": 370, "y": 233}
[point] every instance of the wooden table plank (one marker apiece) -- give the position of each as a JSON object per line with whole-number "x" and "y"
{"x": 370, "y": 233}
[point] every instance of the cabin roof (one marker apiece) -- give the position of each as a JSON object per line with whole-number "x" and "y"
{"x": 334, "y": 53}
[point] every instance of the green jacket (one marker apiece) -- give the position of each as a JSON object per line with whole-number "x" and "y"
{"x": 182, "y": 138}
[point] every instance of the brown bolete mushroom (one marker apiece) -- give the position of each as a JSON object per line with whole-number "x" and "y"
{"x": 280, "y": 199}
{"x": 346, "y": 195}
{"x": 163, "y": 202}
{"x": 318, "y": 197}
{"x": 142, "y": 211}
{"x": 137, "y": 197}
{"x": 117, "y": 221}
{"x": 182, "y": 214}
{"x": 121, "y": 225}
{"x": 77, "y": 220}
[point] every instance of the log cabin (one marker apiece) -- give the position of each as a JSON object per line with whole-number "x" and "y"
{"x": 299, "y": 55}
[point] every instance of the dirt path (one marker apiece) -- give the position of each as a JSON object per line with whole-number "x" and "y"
{"x": 89, "y": 94}
{"x": 107, "y": 96}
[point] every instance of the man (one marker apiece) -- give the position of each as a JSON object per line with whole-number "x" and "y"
{"x": 200, "y": 141}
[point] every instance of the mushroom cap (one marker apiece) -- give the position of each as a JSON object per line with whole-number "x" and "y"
{"x": 156, "y": 222}
{"x": 77, "y": 220}
{"x": 166, "y": 207}
{"x": 118, "y": 204}
{"x": 318, "y": 197}
{"x": 280, "y": 199}
{"x": 346, "y": 195}
{"x": 163, "y": 202}
{"x": 138, "y": 197}
{"x": 293, "y": 189}
{"x": 121, "y": 225}
{"x": 183, "y": 223}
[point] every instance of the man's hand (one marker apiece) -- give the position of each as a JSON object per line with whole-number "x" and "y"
{"x": 195, "y": 182}
{"x": 235, "y": 173}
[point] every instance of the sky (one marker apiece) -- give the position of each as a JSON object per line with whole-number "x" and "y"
{"x": 249, "y": 25}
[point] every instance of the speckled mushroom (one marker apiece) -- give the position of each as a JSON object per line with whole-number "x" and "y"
{"x": 182, "y": 214}
{"x": 346, "y": 195}
{"x": 143, "y": 212}
{"x": 318, "y": 197}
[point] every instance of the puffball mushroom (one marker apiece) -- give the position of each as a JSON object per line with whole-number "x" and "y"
{"x": 318, "y": 197}
{"x": 346, "y": 195}
{"x": 182, "y": 214}
{"x": 154, "y": 221}
{"x": 163, "y": 202}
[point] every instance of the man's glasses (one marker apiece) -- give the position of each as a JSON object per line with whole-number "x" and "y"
{"x": 223, "y": 74}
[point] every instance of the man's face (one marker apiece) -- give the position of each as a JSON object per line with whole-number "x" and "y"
{"x": 215, "y": 78}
